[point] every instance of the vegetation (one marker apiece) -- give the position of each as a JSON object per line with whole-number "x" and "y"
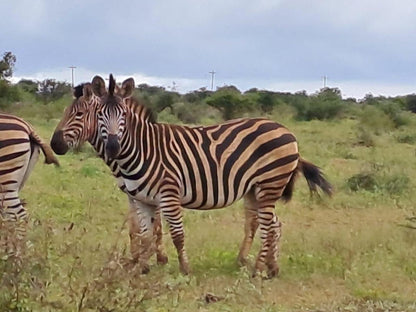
{"x": 352, "y": 252}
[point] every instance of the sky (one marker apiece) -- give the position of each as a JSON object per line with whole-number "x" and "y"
{"x": 359, "y": 46}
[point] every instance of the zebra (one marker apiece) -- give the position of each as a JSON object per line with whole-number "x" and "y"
{"x": 77, "y": 126}
{"x": 20, "y": 147}
{"x": 171, "y": 166}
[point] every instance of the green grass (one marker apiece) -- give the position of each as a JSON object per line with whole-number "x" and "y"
{"x": 352, "y": 252}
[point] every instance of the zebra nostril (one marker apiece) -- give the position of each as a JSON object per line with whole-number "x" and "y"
{"x": 112, "y": 148}
{"x": 58, "y": 143}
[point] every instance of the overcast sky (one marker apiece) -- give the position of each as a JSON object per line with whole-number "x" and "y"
{"x": 361, "y": 46}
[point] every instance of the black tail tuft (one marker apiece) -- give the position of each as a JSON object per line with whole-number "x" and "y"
{"x": 314, "y": 177}
{"x": 288, "y": 191}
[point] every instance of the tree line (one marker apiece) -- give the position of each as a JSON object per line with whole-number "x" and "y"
{"x": 203, "y": 106}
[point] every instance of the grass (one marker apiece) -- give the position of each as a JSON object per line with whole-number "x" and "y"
{"x": 352, "y": 252}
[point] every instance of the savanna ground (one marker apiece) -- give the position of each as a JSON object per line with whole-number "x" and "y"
{"x": 355, "y": 251}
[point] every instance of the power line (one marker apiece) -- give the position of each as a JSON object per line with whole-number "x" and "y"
{"x": 72, "y": 73}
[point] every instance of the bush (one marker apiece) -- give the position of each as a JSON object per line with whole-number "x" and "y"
{"x": 363, "y": 181}
{"x": 374, "y": 181}
{"x": 8, "y": 94}
{"x": 374, "y": 120}
{"x": 327, "y": 104}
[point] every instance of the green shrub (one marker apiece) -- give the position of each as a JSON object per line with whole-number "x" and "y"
{"x": 375, "y": 120}
{"x": 8, "y": 94}
{"x": 363, "y": 181}
{"x": 406, "y": 138}
{"x": 374, "y": 181}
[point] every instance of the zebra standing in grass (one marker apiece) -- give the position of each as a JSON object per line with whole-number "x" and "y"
{"x": 79, "y": 125}
{"x": 19, "y": 151}
{"x": 171, "y": 166}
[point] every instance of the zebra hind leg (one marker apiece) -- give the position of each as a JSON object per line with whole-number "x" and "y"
{"x": 270, "y": 232}
{"x": 250, "y": 228}
{"x": 172, "y": 211}
{"x": 13, "y": 225}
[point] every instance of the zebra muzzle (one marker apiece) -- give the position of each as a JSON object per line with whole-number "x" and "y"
{"x": 112, "y": 148}
{"x": 58, "y": 144}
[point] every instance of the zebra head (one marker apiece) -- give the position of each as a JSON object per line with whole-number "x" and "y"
{"x": 73, "y": 129}
{"x": 111, "y": 112}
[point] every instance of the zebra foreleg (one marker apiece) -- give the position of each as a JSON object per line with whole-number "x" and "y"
{"x": 161, "y": 257}
{"x": 142, "y": 242}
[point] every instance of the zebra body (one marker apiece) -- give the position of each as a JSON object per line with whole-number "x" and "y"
{"x": 170, "y": 166}
{"x": 19, "y": 151}
{"x": 212, "y": 166}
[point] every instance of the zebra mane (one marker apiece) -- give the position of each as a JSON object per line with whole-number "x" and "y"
{"x": 112, "y": 85}
{"x": 78, "y": 91}
{"x": 138, "y": 107}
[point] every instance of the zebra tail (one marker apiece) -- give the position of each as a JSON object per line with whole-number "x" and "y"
{"x": 314, "y": 177}
{"x": 46, "y": 149}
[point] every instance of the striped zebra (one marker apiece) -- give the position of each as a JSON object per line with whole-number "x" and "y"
{"x": 170, "y": 167}
{"x": 19, "y": 151}
{"x": 20, "y": 147}
{"x": 78, "y": 125}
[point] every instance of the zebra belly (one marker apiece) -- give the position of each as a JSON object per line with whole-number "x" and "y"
{"x": 143, "y": 195}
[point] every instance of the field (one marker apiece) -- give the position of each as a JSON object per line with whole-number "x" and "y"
{"x": 352, "y": 252}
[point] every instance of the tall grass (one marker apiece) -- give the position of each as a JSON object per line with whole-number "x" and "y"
{"x": 353, "y": 252}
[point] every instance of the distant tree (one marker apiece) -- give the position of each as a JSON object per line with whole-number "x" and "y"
{"x": 7, "y": 65}
{"x": 266, "y": 101}
{"x": 197, "y": 96}
{"x": 369, "y": 99}
{"x": 50, "y": 89}
{"x": 165, "y": 100}
{"x": 28, "y": 85}
{"x": 229, "y": 101}
{"x": 325, "y": 104}
{"x": 232, "y": 89}
{"x": 411, "y": 103}
{"x": 151, "y": 90}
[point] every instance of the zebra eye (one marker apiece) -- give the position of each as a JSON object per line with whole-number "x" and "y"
{"x": 79, "y": 114}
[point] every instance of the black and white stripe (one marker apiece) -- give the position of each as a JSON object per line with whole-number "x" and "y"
{"x": 79, "y": 124}
{"x": 170, "y": 166}
{"x": 19, "y": 151}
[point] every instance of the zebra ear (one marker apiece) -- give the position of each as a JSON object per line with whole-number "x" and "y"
{"x": 87, "y": 91}
{"x": 98, "y": 86}
{"x": 127, "y": 88}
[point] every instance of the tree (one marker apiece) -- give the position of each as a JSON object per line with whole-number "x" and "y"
{"x": 266, "y": 101}
{"x": 229, "y": 102}
{"x": 28, "y": 85}
{"x": 50, "y": 89}
{"x": 7, "y": 65}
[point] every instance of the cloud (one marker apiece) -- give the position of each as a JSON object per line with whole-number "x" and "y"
{"x": 258, "y": 42}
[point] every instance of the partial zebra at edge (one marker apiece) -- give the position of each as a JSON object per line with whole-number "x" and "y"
{"x": 20, "y": 147}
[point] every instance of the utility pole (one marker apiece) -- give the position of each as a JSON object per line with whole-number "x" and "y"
{"x": 72, "y": 73}
{"x": 324, "y": 79}
{"x": 212, "y": 79}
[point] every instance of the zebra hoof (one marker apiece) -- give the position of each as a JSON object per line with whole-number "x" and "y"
{"x": 242, "y": 261}
{"x": 184, "y": 268}
{"x": 145, "y": 269}
{"x": 272, "y": 272}
{"x": 162, "y": 259}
